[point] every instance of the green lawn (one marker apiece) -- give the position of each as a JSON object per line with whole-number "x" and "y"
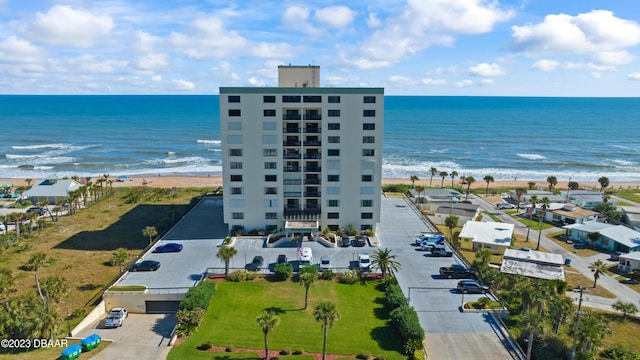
{"x": 231, "y": 319}
{"x": 535, "y": 224}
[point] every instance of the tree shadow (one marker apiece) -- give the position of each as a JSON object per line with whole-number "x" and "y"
{"x": 164, "y": 326}
{"x": 89, "y": 287}
{"x": 387, "y": 338}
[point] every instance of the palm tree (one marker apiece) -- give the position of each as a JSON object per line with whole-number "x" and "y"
{"x": 559, "y": 310}
{"x": 444, "y": 174}
{"x": 327, "y": 313}
{"x": 32, "y": 216}
{"x": 625, "y": 308}
{"x": 383, "y": 260}
{"x": 572, "y": 185}
{"x": 519, "y": 193}
{"x": 534, "y": 201}
{"x": 606, "y": 196}
{"x": 545, "y": 205}
{"x": 307, "y": 279}
{"x": 419, "y": 189}
{"x": 532, "y": 323}
{"x": 591, "y": 330}
{"x": 267, "y": 321}
{"x": 15, "y": 218}
{"x": 28, "y": 181}
{"x": 531, "y": 184}
{"x": 226, "y": 253}
{"x": 413, "y": 179}
{"x": 597, "y": 268}
{"x": 453, "y": 176}
{"x": 552, "y": 182}
{"x": 604, "y": 182}
{"x": 150, "y": 232}
{"x": 119, "y": 257}
{"x": 488, "y": 179}
{"x": 451, "y": 222}
{"x": 469, "y": 180}
{"x": 433, "y": 172}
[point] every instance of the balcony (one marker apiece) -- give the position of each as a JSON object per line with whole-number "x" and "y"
{"x": 292, "y": 182}
{"x": 311, "y": 181}
{"x": 297, "y": 212}
{"x": 312, "y": 130}
{"x": 291, "y": 156}
{"x": 313, "y": 143}
{"x": 291, "y": 143}
{"x": 292, "y": 169}
{"x": 291, "y": 117}
{"x": 312, "y": 194}
{"x": 313, "y": 169}
{"x": 315, "y": 156}
{"x": 292, "y": 194}
{"x": 291, "y": 130}
{"x": 313, "y": 117}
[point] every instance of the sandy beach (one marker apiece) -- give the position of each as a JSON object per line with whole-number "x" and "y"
{"x": 215, "y": 181}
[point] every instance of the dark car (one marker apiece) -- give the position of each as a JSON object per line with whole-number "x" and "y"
{"x": 255, "y": 264}
{"x": 146, "y": 265}
{"x": 282, "y": 259}
{"x": 361, "y": 240}
{"x": 41, "y": 211}
{"x": 169, "y": 247}
{"x": 345, "y": 241}
{"x": 472, "y": 286}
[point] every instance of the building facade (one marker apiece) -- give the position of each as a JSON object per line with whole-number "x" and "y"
{"x": 302, "y": 154}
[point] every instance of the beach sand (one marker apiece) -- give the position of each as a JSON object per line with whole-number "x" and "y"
{"x": 215, "y": 181}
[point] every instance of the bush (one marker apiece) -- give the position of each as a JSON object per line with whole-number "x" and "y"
{"x": 283, "y": 271}
{"x": 285, "y": 351}
{"x": 363, "y": 356}
{"x": 379, "y": 358}
{"x": 405, "y": 320}
{"x": 350, "y": 277}
{"x": 230, "y": 348}
{"x": 242, "y": 275}
{"x": 328, "y": 275}
{"x": 483, "y": 302}
{"x": 309, "y": 270}
{"x": 394, "y": 296}
{"x": 619, "y": 352}
{"x": 199, "y": 296}
{"x": 204, "y": 346}
{"x": 298, "y": 351}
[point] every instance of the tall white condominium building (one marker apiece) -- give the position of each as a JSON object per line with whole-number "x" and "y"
{"x": 301, "y": 157}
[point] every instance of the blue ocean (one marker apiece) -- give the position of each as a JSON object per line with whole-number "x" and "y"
{"x": 524, "y": 138}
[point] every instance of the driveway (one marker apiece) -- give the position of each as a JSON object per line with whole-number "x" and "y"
{"x": 142, "y": 337}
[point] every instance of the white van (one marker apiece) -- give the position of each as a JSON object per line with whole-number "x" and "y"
{"x": 306, "y": 256}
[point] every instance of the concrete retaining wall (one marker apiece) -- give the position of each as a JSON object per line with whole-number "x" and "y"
{"x": 92, "y": 317}
{"x": 134, "y": 301}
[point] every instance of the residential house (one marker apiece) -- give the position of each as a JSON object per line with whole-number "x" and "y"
{"x": 463, "y": 211}
{"x": 494, "y": 236}
{"x": 539, "y": 194}
{"x": 629, "y": 262}
{"x": 631, "y": 216}
{"x": 531, "y": 263}
{"x": 51, "y": 190}
{"x": 611, "y": 237}
{"x": 434, "y": 198}
{"x": 571, "y": 214}
{"x": 586, "y": 199}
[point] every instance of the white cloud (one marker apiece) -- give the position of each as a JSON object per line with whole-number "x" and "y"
{"x": 545, "y": 65}
{"x": 143, "y": 42}
{"x": 614, "y": 57}
{"x": 587, "y": 66}
{"x": 373, "y": 21}
{"x": 402, "y": 80}
{"x": 486, "y": 70}
{"x": 464, "y": 83}
{"x": 456, "y": 16}
{"x": 595, "y": 31}
{"x": 271, "y": 50}
{"x": 255, "y": 82}
{"x": 209, "y": 39}
{"x": 66, "y": 26}
{"x": 430, "y": 81}
{"x": 487, "y": 81}
{"x": 634, "y": 76}
{"x": 338, "y": 17}
{"x": 297, "y": 18}
{"x": 15, "y": 50}
{"x": 183, "y": 85}
{"x": 91, "y": 64}
{"x": 150, "y": 62}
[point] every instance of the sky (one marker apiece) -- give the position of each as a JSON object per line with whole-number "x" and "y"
{"x": 411, "y": 47}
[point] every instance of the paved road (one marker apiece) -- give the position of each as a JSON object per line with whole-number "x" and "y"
{"x": 450, "y": 334}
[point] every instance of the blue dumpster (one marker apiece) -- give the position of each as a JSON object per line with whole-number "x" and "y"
{"x": 567, "y": 262}
{"x": 90, "y": 342}
{"x": 72, "y": 352}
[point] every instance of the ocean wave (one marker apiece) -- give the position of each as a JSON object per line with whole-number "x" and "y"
{"x": 215, "y": 150}
{"x": 440, "y": 151}
{"x": 623, "y": 162}
{"x": 40, "y": 159}
{"x": 532, "y": 156}
{"x": 42, "y": 146}
{"x": 215, "y": 142}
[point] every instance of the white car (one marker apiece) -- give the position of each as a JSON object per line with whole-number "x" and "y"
{"x": 306, "y": 256}
{"x": 325, "y": 263}
{"x": 116, "y": 317}
{"x": 505, "y": 206}
{"x": 364, "y": 262}
{"x": 2, "y": 228}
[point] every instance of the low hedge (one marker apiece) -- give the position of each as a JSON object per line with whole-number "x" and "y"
{"x": 199, "y": 296}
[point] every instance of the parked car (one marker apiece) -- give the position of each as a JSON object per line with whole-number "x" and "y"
{"x": 361, "y": 240}
{"x": 472, "y": 286}
{"x": 282, "y": 259}
{"x": 169, "y": 247}
{"x": 422, "y": 237}
{"x": 41, "y": 210}
{"x": 145, "y": 265}
{"x": 440, "y": 250}
{"x": 430, "y": 242}
{"x": 364, "y": 262}
{"x": 2, "y": 227}
{"x": 456, "y": 271}
{"x": 615, "y": 256}
{"x": 255, "y": 264}
{"x": 115, "y": 317}
{"x": 505, "y": 206}
{"x": 345, "y": 241}
{"x": 325, "y": 263}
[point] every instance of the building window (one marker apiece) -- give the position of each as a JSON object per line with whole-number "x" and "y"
{"x": 368, "y": 139}
{"x": 270, "y": 165}
{"x": 269, "y": 98}
{"x": 368, "y": 126}
{"x": 333, "y": 164}
{"x": 333, "y": 215}
{"x": 236, "y": 203}
{"x": 270, "y": 203}
{"x": 235, "y": 165}
{"x": 333, "y": 139}
{"x": 368, "y": 165}
{"x": 271, "y": 178}
{"x": 333, "y": 203}
{"x": 312, "y": 98}
{"x": 333, "y": 113}
{"x": 237, "y": 215}
{"x": 333, "y": 99}
{"x": 333, "y": 152}
{"x": 236, "y": 191}
{"x": 291, "y": 98}
{"x": 269, "y": 125}
{"x": 235, "y": 152}
{"x": 333, "y": 178}
{"x": 366, "y": 203}
{"x": 366, "y": 190}
{"x": 271, "y": 216}
{"x": 368, "y": 113}
{"x": 271, "y": 190}
{"x": 234, "y": 125}
{"x": 234, "y": 98}
{"x": 333, "y": 126}
{"x": 368, "y": 152}
{"x": 366, "y": 215}
{"x": 269, "y": 139}
{"x": 369, "y": 99}
{"x": 268, "y": 112}
{"x": 236, "y": 177}
{"x": 234, "y": 112}
{"x": 367, "y": 178}
{"x": 270, "y": 152}
{"x": 234, "y": 139}
{"x": 271, "y": 228}
{"x": 333, "y": 190}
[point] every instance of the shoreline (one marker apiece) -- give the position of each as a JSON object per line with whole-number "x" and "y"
{"x": 185, "y": 181}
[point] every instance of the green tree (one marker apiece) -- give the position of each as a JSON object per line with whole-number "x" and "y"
{"x": 560, "y": 309}
{"x": 150, "y": 232}
{"x": 453, "y": 175}
{"x": 534, "y": 203}
{"x": 488, "y": 179}
{"x": 327, "y": 313}
{"x": 419, "y": 189}
{"x": 55, "y": 287}
{"x": 572, "y": 185}
{"x": 433, "y": 172}
{"x": 119, "y": 258}
{"x": 598, "y": 268}
{"x": 544, "y": 205}
{"x": 469, "y": 180}
{"x": 451, "y": 222}
{"x": 604, "y": 182}
{"x": 307, "y": 280}
{"x": 519, "y": 192}
{"x": 591, "y": 330}
{"x": 626, "y": 308}
{"x": 413, "y": 179}
{"x": 443, "y": 174}
{"x": 531, "y": 184}
{"x": 32, "y": 216}
{"x": 28, "y": 181}
{"x": 383, "y": 260}
{"x": 533, "y": 324}
{"x": 15, "y": 218}
{"x": 267, "y": 321}
{"x": 226, "y": 253}
{"x": 553, "y": 181}
{"x": 6, "y": 282}
{"x": 189, "y": 320}
{"x": 36, "y": 261}
{"x": 483, "y": 255}
{"x": 607, "y": 209}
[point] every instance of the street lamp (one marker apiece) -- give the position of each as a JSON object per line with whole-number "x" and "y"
{"x": 575, "y": 332}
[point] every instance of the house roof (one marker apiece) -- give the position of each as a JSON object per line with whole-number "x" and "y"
{"x": 534, "y": 256}
{"x": 531, "y": 263}
{"x": 630, "y": 209}
{"x": 634, "y": 255}
{"x": 588, "y": 226}
{"x": 52, "y": 187}
{"x": 578, "y": 212}
{"x": 488, "y": 232}
{"x": 458, "y": 209}
{"x": 622, "y": 235}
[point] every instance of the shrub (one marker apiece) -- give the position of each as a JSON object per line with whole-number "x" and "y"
{"x": 298, "y": 351}
{"x": 204, "y": 346}
{"x": 394, "y": 296}
{"x": 309, "y": 270}
{"x": 619, "y": 352}
{"x": 350, "y": 277}
{"x": 483, "y": 302}
{"x": 285, "y": 351}
{"x": 188, "y": 321}
{"x": 283, "y": 271}
{"x": 405, "y": 320}
{"x": 199, "y": 296}
{"x": 242, "y": 275}
{"x": 230, "y": 348}
{"x": 379, "y": 358}
{"x": 363, "y": 356}
{"x": 328, "y": 275}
